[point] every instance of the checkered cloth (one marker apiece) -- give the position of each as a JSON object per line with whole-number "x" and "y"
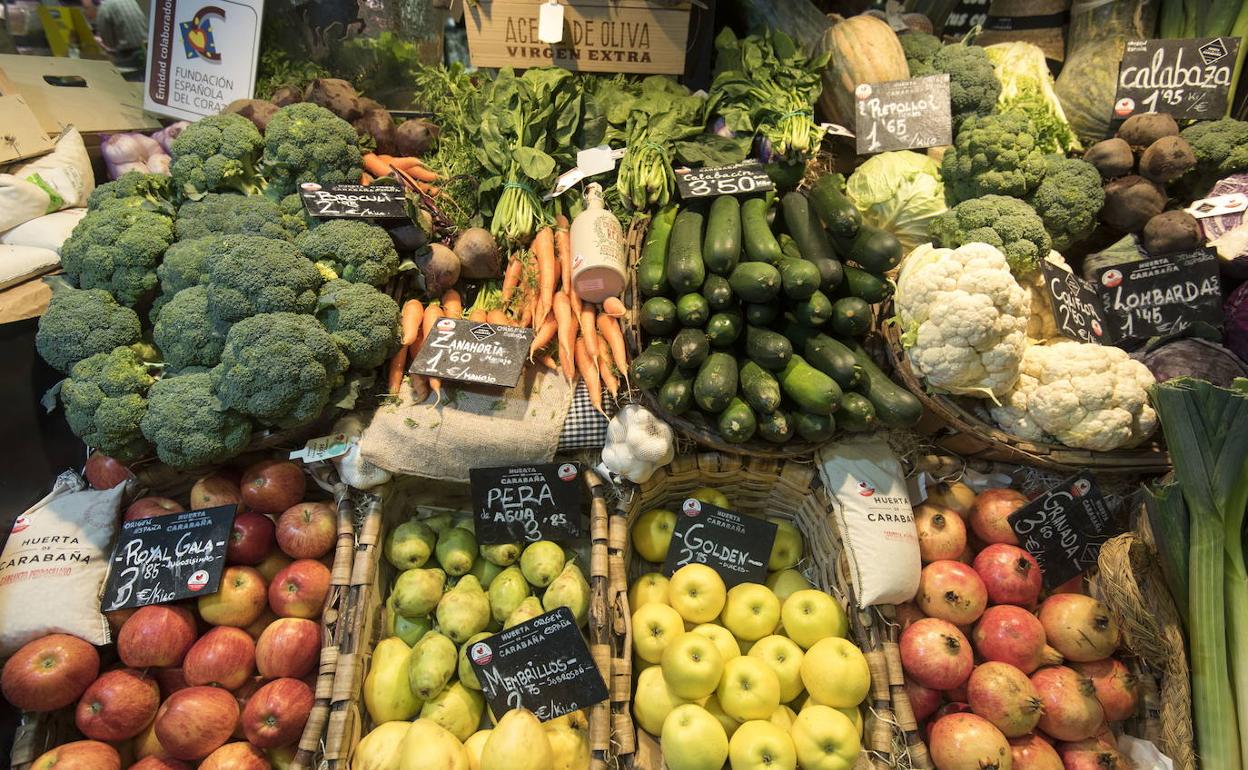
{"x": 584, "y": 427}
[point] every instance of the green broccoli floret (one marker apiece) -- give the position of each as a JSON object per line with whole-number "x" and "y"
{"x": 295, "y": 215}
{"x": 231, "y": 214}
{"x": 363, "y": 321}
{"x": 1221, "y": 148}
{"x": 117, "y": 249}
{"x": 184, "y": 333}
{"x": 973, "y": 84}
{"x": 355, "y": 251}
{"x": 1069, "y": 199}
{"x": 105, "y": 400}
{"x": 80, "y": 323}
{"x": 1007, "y": 223}
{"x": 279, "y": 368}
{"x": 188, "y": 424}
{"x": 134, "y": 189}
{"x": 920, "y": 48}
{"x": 305, "y": 142}
{"x": 993, "y": 154}
{"x": 252, "y": 275}
{"x": 186, "y": 264}
{"x": 218, "y": 153}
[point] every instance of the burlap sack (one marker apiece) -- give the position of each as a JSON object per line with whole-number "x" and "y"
{"x": 471, "y": 428}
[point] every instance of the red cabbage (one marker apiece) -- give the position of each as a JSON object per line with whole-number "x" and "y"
{"x": 1235, "y": 325}
{"x": 1195, "y": 357}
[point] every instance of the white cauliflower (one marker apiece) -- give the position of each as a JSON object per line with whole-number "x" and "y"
{"x": 963, "y": 319}
{"x": 1083, "y": 395}
{"x": 1041, "y": 323}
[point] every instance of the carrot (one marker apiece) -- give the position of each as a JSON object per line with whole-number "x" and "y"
{"x": 610, "y": 330}
{"x": 613, "y": 307}
{"x": 563, "y": 249}
{"x": 420, "y": 388}
{"x": 477, "y": 316}
{"x": 543, "y": 248}
{"x": 548, "y": 361}
{"x": 529, "y": 312}
{"x": 366, "y": 178}
{"x": 419, "y": 172}
{"x": 398, "y": 365}
{"x": 543, "y": 337}
{"x": 605, "y": 367}
{"x": 567, "y": 335}
{"x": 511, "y": 278}
{"x": 432, "y": 314}
{"x": 452, "y": 305}
{"x": 407, "y": 162}
{"x": 413, "y": 309}
{"x": 590, "y": 336}
{"x": 375, "y": 165}
{"x": 498, "y": 318}
{"x": 588, "y": 368}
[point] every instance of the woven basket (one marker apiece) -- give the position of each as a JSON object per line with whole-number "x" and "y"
{"x": 363, "y": 609}
{"x": 790, "y": 490}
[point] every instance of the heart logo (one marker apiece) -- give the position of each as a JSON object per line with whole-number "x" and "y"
{"x": 197, "y": 39}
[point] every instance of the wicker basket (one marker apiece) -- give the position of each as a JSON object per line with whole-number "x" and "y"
{"x": 364, "y": 606}
{"x": 791, "y": 490}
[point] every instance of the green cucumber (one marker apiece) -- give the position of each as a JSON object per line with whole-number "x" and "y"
{"x": 737, "y": 423}
{"x": 722, "y": 248}
{"x": 676, "y": 395}
{"x": 716, "y": 383}
{"x": 760, "y": 389}
{"x": 768, "y": 349}
{"x": 833, "y": 358}
{"x": 685, "y": 269}
{"x": 804, "y": 226}
{"x": 756, "y": 236}
{"x": 692, "y": 310}
{"x": 718, "y": 292}
{"x": 875, "y": 250}
{"x": 838, "y": 213}
{"x": 690, "y": 348}
{"x": 651, "y": 367}
{"x": 798, "y": 278}
{"x": 859, "y": 283}
{"x": 895, "y": 406}
{"x": 776, "y": 428}
{"x": 724, "y": 328}
{"x": 809, "y": 388}
{"x": 658, "y": 317}
{"x": 761, "y": 315}
{"x": 814, "y": 310}
{"x": 815, "y": 428}
{"x": 857, "y": 413}
{"x": 851, "y": 317}
{"x": 755, "y": 282}
{"x": 652, "y": 265}
{"x": 788, "y": 246}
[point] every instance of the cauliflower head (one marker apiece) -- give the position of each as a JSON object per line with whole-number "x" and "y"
{"x": 963, "y": 319}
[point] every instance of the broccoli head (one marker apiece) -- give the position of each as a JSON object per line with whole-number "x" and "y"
{"x": 1069, "y": 200}
{"x": 993, "y": 155}
{"x": 251, "y": 274}
{"x": 231, "y": 214}
{"x": 1007, "y": 223}
{"x": 920, "y": 48}
{"x": 294, "y": 214}
{"x": 134, "y": 189}
{"x": 188, "y": 425}
{"x": 82, "y": 322}
{"x": 279, "y": 368}
{"x": 1221, "y": 148}
{"x": 305, "y": 142}
{"x": 183, "y": 332}
{"x": 363, "y": 321}
{"x": 186, "y": 264}
{"x": 353, "y": 250}
{"x": 105, "y": 400}
{"x": 973, "y": 84}
{"x": 117, "y": 249}
{"x": 218, "y": 153}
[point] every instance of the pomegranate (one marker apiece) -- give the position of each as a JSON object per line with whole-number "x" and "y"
{"x": 1071, "y": 710}
{"x": 968, "y": 742}
{"x": 1011, "y": 575}
{"x": 1004, "y": 696}
{"x": 1116, "y": 688}
{"x": 957, "y": 694}
{"x": 936, "y": 654}
{"x": 907, "y": 613}
{"x": 990, "y": 515}
{"x": 1095, "y": 753}
{"x": 1079, "y": 627}
{"x": 1013, "y": 635}
{"x": 1031, "y": 752}
{"x": 942, "y": 533}
{"x": 923, "y": 700}
{"x": 951, "y": 591}
{"x": 957, "y": 707}
{"x": 955, "y": 496}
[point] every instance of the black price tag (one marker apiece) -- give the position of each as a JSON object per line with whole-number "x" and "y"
{"x": 735, "y": 546}
{"x": 1065, "y": 528}
{"x": 353, "y": 201}
{"x": 468, "y": 351}
{"x": 166, "y": 558}
{"x": 1189, "y": 78}
{"x": 542, "y": 665}
{"x": 966, "y": 16}
{"x": 744, "y": 178}
{"x": 903, "y": 114}
{"x": 1076, "y": 305}
{"x": 1163, "y": 295}
{"x": 527, "y": 503}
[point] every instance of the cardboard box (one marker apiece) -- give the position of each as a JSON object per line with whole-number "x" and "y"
{"x": 21, "y": 136}
{"x": 90, "y": 95}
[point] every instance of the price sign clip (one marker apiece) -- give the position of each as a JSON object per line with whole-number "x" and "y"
{"x": 550, "y": 22}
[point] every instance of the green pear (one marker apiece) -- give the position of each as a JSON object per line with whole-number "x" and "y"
{"x": 417, "y": 591}
{"x": 468, "y": 674}
{"x": 506, "y": 592}
{"x": 502, "y": 554}
{"x": 440, "y": 521}
{"x": 410, "y": 544}
{"x": 408, "y": 629}
{"x": 485, "y": 572}
{"x": 528, "y": 609}
{"x": 464, "y": 610}
{"x": 457, "y": 708}
{"x": 517, "y": 742}
{"x": 456, "y": 550}
{"x": 542, "y": 562}
{"x": 431, "y": 665}
{"x": 570, "y": 590}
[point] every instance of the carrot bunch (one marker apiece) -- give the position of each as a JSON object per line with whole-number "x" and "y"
{"x": 414, "y": 171}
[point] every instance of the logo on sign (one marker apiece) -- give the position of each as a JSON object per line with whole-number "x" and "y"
{"x": 482, "y": 332}
{"x": 567, "y": 472}
{"x": 197, "y": 37}
{"x": 1081, "y": 487}
{"x": 481, "y": 653}
{"x": 692, "y": 507}
{"x": 445, "y": 325}
{"x": 197, "y": 580}
{"x": 1124, "y": 107}
{"x": 22, "y": 522}
{"x": 1111, "y": 278}
{"x": 866, "y": 488}
{"x": 863, "y": 91}
{"x": 1213, "y": 51}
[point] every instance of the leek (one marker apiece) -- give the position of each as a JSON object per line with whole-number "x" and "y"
{"x": 1167, "y": 515}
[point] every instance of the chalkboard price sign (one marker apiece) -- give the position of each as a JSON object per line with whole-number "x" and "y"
{"x": 1076, "y": 305}
{"x": 167, "y": 558}
{"x": 744, "y": 178}
{"x": 1160, "y": 296}
{"x": 903, "y": 114}
{"x": 735, "y": 546}
{"x": 1065, "y": 528}
{"x": 1188, "y": 78}
{"x": 468, "y": 351}
{"x": 353, "y": 201}
{"x": 527, "y": 503}
{"x": 542, "y": 665}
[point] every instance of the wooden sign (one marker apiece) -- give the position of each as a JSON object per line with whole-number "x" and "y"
{"x": 1065, "y": 528}
{"x": 735, "y": 546}
{"x": 526, "y": 503}
{"x": 167, "y": 558}
{"x": 598, "y": 36}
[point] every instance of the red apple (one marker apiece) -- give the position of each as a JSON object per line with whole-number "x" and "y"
{"x": 214, "y": 491}
{"x": 289, "y": 647}
{"x": 225, "y": 657}
{"x": 272, "y": 486}
{"x": 299, "y": 590}
{"x": 170, "y": 680}
{"x": 241, "y": 695}
{"x": 146, "y": 744}
{"x": 240, "y": 600}
{"x": 196, "y": 721}
{"x": 79, "y": 755}
{"x": 49, "y": 673}
{"x": 276, "y": 714}
{"x": 117, "y": 619}
{"x": 157, "y": 763}
{"x": 104, "y": 472}
{"x": 264, "y": 621}
{"x": 274, "y": 563}
{"x": 117, "y": 706}
{"x": 251, "y": 538}
{"x": 157, "y": 635}
{"x": 147, "y": 507}
{"x": 307, "y": 530}
{"x": 239, "y": 755}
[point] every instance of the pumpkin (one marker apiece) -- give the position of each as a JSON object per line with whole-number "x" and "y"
{"x": 863, "y": 49}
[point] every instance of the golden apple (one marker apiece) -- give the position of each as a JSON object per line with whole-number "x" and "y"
{"x": 836, "y": 673}
{"x": 760, "y": 745}
{"x": 751, "y": 611}
{"x": 650, "y": 587}
{"x": 749, "y": 689}
{"x": 783, "y": 717}
{"x": 712, "y": 496}
{"x": 692, "y": 739}
{"x": 786, "y": 582}
{"x": 786, "y": 550}
{"x": 654, "y": 626}
{"x": 692, "y": 666}
{"x": 654, "y": 700}
{"x": 697, "y": 592}
{"x": 785, "y": 658}
{"x": 730, "y": 725}
{"x": 825, "y": 739}
{"x": 722, "y": 637}
{"x": 651, "y": 534}
{"x": 811, "y": 615}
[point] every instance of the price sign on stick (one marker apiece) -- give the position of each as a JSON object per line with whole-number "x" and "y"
{"x": 527, "y": 503}
{"x": 1065, "y": 528}
{"x": 903, "y": 114}
{"x": 468, "y": 351}
{"x": 1076, "y": 305}
{"x": 167, "y": 558}
{"x": 1163, "y": 295}
{"x": 744, "y": 178}
{"x": 353, "y": 201}
{"x": 735, "y": 546}
{"x": 1189, "y": 78}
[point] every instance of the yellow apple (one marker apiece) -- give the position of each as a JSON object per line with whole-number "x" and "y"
{"x": 853, "y": 712}
{"x": 786, "y": 550}
{"x": 836, "y": 673}
{"x": 654, "y": 700}
{"x": 785, "y": 582}
{"x": 692, "y": 739}
{"x": 712, "y": 496}
{"x": 729, "y": 724}
{"x": 654, "y": 626}
{"x": 651, "y": 534}
{"x": 760, "y": 745}
{"x": 751, "y": 611}
{"x": 722, "y": 637}
{"x": 691, "y": 666}
{"x": 749, "y": 689}
{"x": 697, "y": 592}
{"x": 811, "y": 615}
{"x": 825, "y": 739}
{"x": 785, "y": 658}
{"x": 650, "y": 587}
{"x": 783, "y": 717}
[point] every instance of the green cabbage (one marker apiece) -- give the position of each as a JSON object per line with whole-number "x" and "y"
{"x": 1027, "y": 86}
{"x": 900, "y": 192}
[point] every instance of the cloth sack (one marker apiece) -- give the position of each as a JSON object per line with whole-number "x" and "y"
{"x": 46, "y": 232}
{"x": 62, "y": 179}
{"x": 17, "y": 263}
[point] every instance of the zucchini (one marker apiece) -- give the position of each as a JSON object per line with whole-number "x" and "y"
{"x": 798, "y": 278}
{"x": 815, "y": 428}
{"x": 724, "y": 328}
{"x": 722, "y": 248}
{"x": 676, "y": 395}
{"x": 755, "y": 282}
{"x": 685, "y": 269}
{"x": 658, "y": 317}
{"x": 651, "y": 367}
{"x": 857, "y": 414}
{"x": 859, "y": 283}
{"x": 776, "y": 428}
{"x": 833, "y": 358}
{"x": 737, "y": 423}
{"x": 761, "y": 315}
{"x": 718, "y": 292}
{"x": 788, "y": 246}
{"x": 831, "y": 273}
{"x": 756, "y": 236}
{"x": 895, "y": 406}
{"x": 851, "y": 317}
{"x": 716, "y": 383}
{"x": 809, "y": 388}
{"x": 760, "y": 389}
{"x": 876, "y": 251}
{"x": 652, "y": 265}
{"x": 690, "y": 348}
{"x": 692, "y": 310}
{"x": 837, "y": 212}
{"x": 814, "y": 310}
{"x": 804, "y": 226}
{"x": 766, "y": 348}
